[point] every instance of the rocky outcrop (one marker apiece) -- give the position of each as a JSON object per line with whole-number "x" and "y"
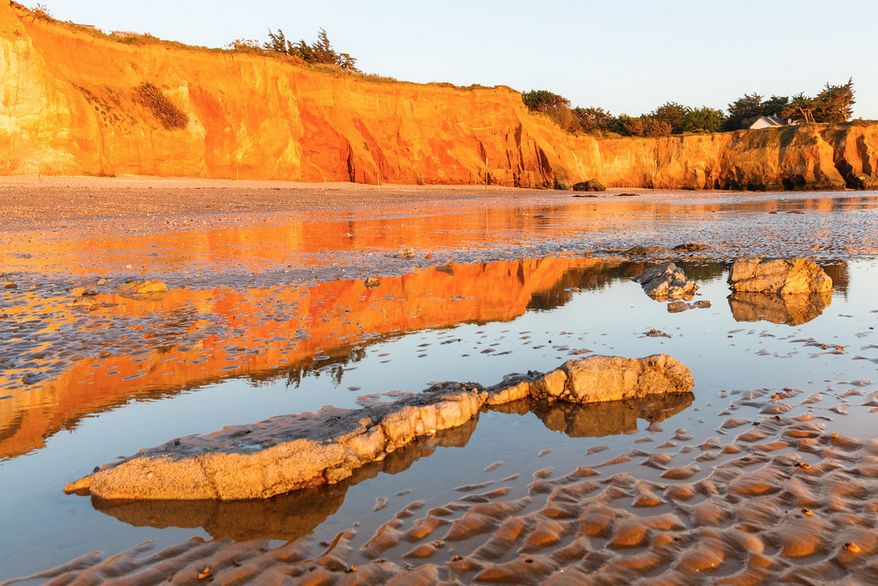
{"x": 70, "y": 105}
{"x": 667, "y": 281}
{"x": 778, "y": 276}
{"x": 590, "y": 185}
{"x": 298, "y": 451}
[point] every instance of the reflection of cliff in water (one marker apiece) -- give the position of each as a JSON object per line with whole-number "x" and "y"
{"x": 793, "y": 310}
{"x": 601, "y": 275}
{"x": 126, "y": 349}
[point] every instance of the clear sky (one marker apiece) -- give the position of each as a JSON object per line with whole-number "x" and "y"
{"x": 627, "y": 56}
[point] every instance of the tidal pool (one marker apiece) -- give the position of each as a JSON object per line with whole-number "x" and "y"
{"x": 276, "y": 318}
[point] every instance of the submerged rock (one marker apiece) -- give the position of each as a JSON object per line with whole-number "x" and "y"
{"x": 667, "y": 281}
{"x": 681, "y": 306}
{"x": 690, "y": 247}
{"x": 299, "y": 451}
{"x": 85, "y": 302}
{"x": 639, "y": 250}
{"x": 780, "y": 276}
{"x": 143, "y": 288}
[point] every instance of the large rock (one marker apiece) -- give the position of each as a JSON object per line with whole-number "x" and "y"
{"x": 590, "y": 185}
{"x": 299, "y": 451}
{"x": 598, "y": 379}
{"x": 286, "y": 517}
{"x": 780, "y": 276}
{"x": 667, "y": 281}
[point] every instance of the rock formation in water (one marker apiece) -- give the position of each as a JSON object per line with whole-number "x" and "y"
{"x": 299, "y": 451}
{"x": 73, "y": 103}
{"x": 778, "y": 276}
{"x": 667, "y": 281}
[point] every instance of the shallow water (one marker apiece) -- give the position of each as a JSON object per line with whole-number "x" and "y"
{"x": 238, "y": 340}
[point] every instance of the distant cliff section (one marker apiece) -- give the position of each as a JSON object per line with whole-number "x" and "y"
{"x": 73, "y": 102}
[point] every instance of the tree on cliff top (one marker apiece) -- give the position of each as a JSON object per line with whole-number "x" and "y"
{"x": 320, "y": 51}
{"x": 703, "y": 120}
{"x": 671, "y": 113}
{"x": 592, "y": 119}
{"x": 835, "y": 103}
{"x": 557, "y": 107}
{"x": 544, "y": 101}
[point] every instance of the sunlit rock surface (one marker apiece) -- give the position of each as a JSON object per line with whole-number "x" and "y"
{"x": 780, "y": 276}
{"x": 299, "y": 451}
{"x": 667, "y": 281}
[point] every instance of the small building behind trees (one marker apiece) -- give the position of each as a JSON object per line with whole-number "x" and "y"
{"x": 771, "y": 121}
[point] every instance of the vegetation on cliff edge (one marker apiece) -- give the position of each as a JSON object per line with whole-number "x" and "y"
{"x": 834, "y": 104}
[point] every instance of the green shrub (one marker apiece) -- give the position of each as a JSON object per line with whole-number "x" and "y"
{"x": 164, "y": 109}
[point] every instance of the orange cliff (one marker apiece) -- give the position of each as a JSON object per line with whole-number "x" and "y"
{"x": 68, "y": 106}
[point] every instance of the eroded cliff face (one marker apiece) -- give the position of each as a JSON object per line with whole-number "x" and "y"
{"x": 69, "y": 105}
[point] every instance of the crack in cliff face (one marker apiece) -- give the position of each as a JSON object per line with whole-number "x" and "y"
{"x": 863, "y": 152}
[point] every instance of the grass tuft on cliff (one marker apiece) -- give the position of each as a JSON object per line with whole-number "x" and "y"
{"x": 164, "y": 109}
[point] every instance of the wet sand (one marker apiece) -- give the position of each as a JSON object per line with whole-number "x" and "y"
{"x": 769, "y": 484}
{"x": 768, "y": 499}
{"x": 37, "y": 203}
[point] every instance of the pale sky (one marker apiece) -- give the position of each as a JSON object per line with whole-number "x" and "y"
{"x": 626, "y": 56}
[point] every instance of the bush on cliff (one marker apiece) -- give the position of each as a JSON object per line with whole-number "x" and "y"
{"x": 672, "y": 114}
{"x": 319, "y": 52}
{"x": 592, "y": 120}
{"x": 164, "y": 109}
{"x": 703, "y": 120}
{"x": 555, "y": 106}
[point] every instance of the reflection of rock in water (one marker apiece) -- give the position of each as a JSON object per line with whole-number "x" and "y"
{"x": 287, "y": 517}
{"x": 792, "y": 310}
{"x": 601, "y": 419}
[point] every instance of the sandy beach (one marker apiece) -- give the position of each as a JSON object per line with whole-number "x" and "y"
{"x": 35, "y": 202}
{"x": 765, "y": 476}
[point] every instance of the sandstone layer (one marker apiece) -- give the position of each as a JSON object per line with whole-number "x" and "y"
{"x": 298, "y": 451}
{"x": 70, "y": 105}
